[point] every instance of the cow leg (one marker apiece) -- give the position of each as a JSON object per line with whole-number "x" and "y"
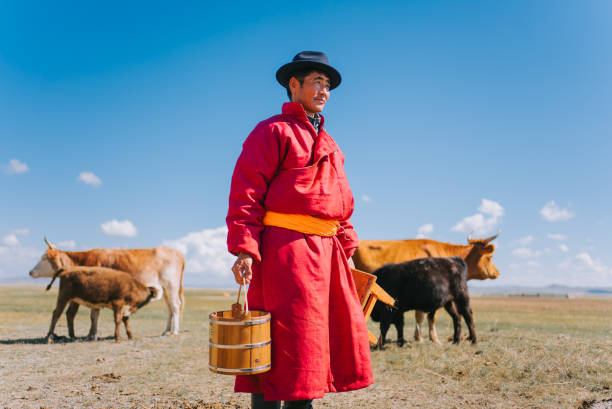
{"x": 452, "y": 310}
{"x": 399, "y": 326}
{"x": 466, "y": 312}
{"x": 431, "y": 321}
{"x": 118, "y": 316}
{"x": 419, "y": 316}
{"x": 385, "y": 323}
{"x": 57, "y": 312}
{"x": 126, "y": 322}
{"x": 174, "y": 310}
{"x": 70, "y": 314}
{"x": 93, "y": 329}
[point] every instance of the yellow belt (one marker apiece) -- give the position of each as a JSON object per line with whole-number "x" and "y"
{"x": 302, "y": 223}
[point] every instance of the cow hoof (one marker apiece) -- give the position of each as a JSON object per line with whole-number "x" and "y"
{"x": 401, "y": 343}
{"x": 49, "y": 340}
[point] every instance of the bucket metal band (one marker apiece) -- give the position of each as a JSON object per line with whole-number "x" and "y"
{"x": 240, "y": 346}
{"x": 241, "y": 323}
{"x": 240, "y": 370}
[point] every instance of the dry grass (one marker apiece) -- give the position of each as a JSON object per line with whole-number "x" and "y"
{"x": 533, "y": 353}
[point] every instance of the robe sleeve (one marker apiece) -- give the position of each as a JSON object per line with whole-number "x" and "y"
{"x": 348, "y": 238}
{"x": 254, "y": 169}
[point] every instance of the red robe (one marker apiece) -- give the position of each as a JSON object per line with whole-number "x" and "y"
{"x": 319, "y": 337}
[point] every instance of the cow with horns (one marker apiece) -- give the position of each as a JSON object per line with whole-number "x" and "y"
{"x": 159, "y": 266}
{"x": 478, "y": 255}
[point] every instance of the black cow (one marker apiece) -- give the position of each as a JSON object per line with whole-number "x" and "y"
{"x": 424, "y": 284}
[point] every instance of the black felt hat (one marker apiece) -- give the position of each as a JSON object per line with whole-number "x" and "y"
{"x": 307, "y": 60}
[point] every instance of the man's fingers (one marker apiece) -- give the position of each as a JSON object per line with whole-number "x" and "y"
{"x": 242, "y": 269}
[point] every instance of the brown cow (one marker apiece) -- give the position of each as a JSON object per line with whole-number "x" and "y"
{"x": 100, "y": 287}
{"x": 478, "y": 254}
{"x": 159, "y": 266}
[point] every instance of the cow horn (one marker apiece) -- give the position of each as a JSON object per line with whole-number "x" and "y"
{"x": 51, "y": 246}
{"x": 470, "y": 236}
{"x": 489, "y": 239}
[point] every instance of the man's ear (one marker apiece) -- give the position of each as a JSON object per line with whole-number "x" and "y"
{"x": 294, "y": 85}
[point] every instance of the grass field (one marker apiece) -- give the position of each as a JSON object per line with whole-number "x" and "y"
{"x": 532, "y": 353}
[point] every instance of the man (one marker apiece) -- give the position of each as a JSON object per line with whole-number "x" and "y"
{"x": 288, "y": 223}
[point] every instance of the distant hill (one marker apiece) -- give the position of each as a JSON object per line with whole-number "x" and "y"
{"x": 550, "y": 290}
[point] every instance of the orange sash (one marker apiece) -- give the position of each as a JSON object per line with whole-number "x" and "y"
{"x": 302, "y": 223}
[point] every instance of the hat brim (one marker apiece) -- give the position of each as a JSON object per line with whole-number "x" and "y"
{"x": 284, "y": 73}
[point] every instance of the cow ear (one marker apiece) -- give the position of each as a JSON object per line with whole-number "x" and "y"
{"x": 489, "y": 249}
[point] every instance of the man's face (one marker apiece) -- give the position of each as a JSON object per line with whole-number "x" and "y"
{"x": 313, "y": 94}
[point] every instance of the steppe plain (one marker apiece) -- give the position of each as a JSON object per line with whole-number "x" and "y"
{"x": 533, "y": 352}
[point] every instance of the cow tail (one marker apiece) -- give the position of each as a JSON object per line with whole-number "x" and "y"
{"x": 181, "y": 296}
{"x": 61, "y": 270}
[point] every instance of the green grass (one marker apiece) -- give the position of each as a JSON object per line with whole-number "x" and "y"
{"x": 532, "y": 353}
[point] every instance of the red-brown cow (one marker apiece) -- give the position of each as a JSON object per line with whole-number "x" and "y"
{"x": 100, "y": 287}
{"x": 478, "y": 254}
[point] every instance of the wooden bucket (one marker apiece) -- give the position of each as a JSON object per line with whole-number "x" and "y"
{"x": 239, "y": 342}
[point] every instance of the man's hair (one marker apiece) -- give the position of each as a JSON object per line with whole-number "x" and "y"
{"x": 299, "y": 75}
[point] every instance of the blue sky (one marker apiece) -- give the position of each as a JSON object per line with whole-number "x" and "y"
{"x": 120, "y": 124}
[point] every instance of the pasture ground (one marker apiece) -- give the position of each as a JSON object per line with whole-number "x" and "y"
{"x": 532, "y": 353}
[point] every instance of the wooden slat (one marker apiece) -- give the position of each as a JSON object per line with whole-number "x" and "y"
{"x": 382, "y": 295}
{"x": 363, "y": 284}
{"x": 367, "y": 309}
{"x": 373, "y": 340}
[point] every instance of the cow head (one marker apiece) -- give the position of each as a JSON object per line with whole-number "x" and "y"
{"x": 51, "y": 262}
{"x": 480, "y": 259}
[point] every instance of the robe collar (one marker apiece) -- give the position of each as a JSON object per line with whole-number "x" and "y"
{"x": 324, "y": 144}
{"x": 296, "y": 110}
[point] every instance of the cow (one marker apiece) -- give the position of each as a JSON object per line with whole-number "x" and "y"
{"x": 153, "y": 266}
{"x": 478, "y": 254}
{"x": 99, "y": 287}
{"x": 425, "y": 284}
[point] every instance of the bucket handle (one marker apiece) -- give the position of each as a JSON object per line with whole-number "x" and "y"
{"x": 246, "y": 300}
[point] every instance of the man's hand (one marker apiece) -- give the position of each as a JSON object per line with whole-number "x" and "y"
{"x": 242, "y": 268}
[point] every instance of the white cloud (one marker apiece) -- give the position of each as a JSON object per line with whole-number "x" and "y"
{"x": 478, "y": 223}
{"x": 559, "y": 237}
{"x": 16, "y": 167}
{"x": 589, "y": 262}
{"x": 425, "y": 230}
{"x": 586, "y": 270}
{"x": 525, "y": 252}
{"x": 16, "y": 262}
{"x": 553, "y": 213}
{"x": 66, "y": 245}
{"x": 563, "y": 248}
{"x": 580, "y": 270}
{"x": 491, "y": 208}
{"x": 11, "y": 239}
{"x": 123, "y": 228}
{"x": 366, "y": 198}
{"x": 90, "y": 179}
{"x": 206, "y": 256}
{"x": 525, "y": 241}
